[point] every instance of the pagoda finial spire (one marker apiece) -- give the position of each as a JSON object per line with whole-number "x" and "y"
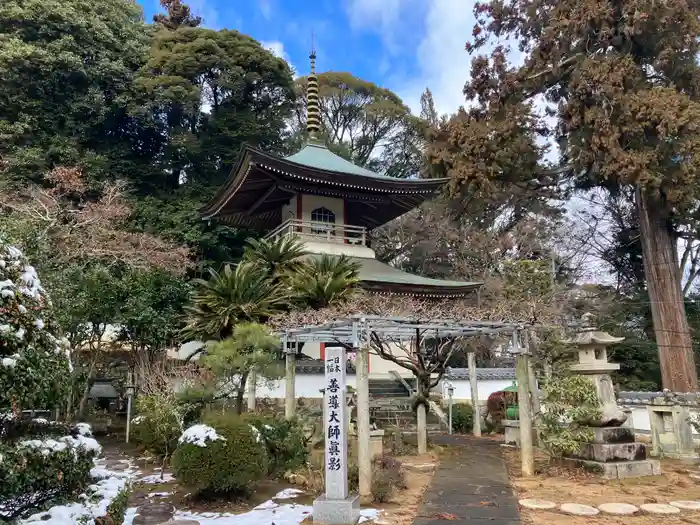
{"x": 313, "y": 109}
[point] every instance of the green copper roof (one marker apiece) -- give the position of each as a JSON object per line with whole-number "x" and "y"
{"x": 318, "y": 156}
{"x": 374, "y": 271}
{"x": 377, "y": 271}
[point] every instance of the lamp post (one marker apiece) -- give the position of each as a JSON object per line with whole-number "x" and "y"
{"x": 450, "y": 395}
{"x": 130, "y": 391}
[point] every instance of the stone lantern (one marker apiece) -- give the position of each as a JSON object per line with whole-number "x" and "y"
{"x": 593, "y": 363}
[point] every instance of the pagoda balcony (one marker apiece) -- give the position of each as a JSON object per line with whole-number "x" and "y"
{"x": 326, "y": 238}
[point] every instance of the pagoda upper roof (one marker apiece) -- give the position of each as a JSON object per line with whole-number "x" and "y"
{"x": 261, "y": 183}
{"x": 318, "y": 156}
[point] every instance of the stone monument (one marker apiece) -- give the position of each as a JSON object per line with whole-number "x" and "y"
{"x": 613, "y": 451}
{"x": 671, "y": 431}
{"x": 336, "y": 506}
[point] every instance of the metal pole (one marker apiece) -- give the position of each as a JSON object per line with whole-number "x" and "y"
{"x": 450, "y": 393}
{"x": 128, "y": 415}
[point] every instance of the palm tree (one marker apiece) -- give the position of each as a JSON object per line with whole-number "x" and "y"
{"x": 243, "y": 294}
{"x": 325, "y": 280}
{"x": 277, "y": 258}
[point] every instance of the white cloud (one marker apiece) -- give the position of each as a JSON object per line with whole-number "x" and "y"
{"x": 266, "y": 8}
{"x": 443, "y": 62}
{"x": 277, "y": 48}
{"x": 373, "y": 13}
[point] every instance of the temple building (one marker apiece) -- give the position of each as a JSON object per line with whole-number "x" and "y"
{"x": 332, "y": 205}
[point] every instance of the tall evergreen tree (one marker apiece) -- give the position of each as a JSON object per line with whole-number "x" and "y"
{"x": 65, "y": 70}
{"x": 176, "y": 15}
{"x": 624, "y": 81}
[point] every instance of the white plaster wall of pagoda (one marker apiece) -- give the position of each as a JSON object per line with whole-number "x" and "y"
{"x": 337, "y": 248}
{"x": 463, "y": 391}
{"x": 289, "y": 210}
{"x": 311, "y": 202}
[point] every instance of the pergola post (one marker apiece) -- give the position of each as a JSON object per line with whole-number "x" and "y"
{"x": 522, "y": 373}
{"x": 364, "y": 459}
{"x": 476, "y": 408}
{"x": 290, "y": 379}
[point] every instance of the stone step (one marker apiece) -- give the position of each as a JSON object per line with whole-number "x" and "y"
{"x": 618, "y": 469}
{"x": 606, "y": 452}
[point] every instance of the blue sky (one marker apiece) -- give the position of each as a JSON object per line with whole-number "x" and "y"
{"x": 404, "y": 45}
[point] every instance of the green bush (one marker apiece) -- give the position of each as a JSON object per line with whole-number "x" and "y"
{"x": 285, "y": 441}
{"x": 462, "y": 418}
{"x": 572, "y": 399}
{"x": 158, "y": 424}
{"x": 231, "y": 463}
{"x": 36, "y": 471}
{"x": 116, "y": 509}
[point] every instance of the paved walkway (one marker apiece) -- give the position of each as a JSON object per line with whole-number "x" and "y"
{"x": 470, "y": 486}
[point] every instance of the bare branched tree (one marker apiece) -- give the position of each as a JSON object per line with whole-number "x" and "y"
{"x": 424, "y": 356}
{"x": 86, "y": 229}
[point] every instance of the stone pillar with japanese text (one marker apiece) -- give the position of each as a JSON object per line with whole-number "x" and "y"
{"x": 336, "y": 506}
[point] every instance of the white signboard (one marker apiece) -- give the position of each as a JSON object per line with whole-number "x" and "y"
{"x": 336, "y": 431}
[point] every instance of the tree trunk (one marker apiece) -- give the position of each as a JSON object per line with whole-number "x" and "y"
{"x": 252, "y": 380}
{"x": 240, "y": 393}
{"x": 660, "y": 256}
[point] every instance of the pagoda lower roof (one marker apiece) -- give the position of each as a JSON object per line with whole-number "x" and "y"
{"x": 379, "y": 277}
{"x": 261, "y": 183}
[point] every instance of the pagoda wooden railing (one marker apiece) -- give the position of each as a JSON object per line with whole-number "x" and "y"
{"x": 321, "y": 232}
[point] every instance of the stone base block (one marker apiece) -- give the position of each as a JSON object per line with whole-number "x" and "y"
{"x": 606, "y": 452}
{"x": 613, "y": 435}
{"x": 618, "y": 469}
{"x": 512, "y": 431}
{"x": 336, "y": 511}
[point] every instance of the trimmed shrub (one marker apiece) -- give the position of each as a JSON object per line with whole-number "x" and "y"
{"x": 35, "y": 471}
{"x": 462, "y": 418}
{"x": 229, "y": 460}
{"x": 285, "y": 441}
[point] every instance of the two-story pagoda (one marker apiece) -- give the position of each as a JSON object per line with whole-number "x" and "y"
{"x": 328, "y": 202}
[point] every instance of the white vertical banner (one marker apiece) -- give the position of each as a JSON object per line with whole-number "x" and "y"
{"x": 336, "y": 429}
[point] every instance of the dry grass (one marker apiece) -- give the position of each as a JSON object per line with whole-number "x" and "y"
{"x": 566, "y": 486}
{"x": 403, "y": 507}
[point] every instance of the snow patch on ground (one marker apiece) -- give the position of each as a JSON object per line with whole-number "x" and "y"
{"x": 268, "y": 512}
{"x": 288, "y": 494}
{"x": 199, "y": 435}
{"x": 154, "y": 479}
{"x": 160, "y": 494}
